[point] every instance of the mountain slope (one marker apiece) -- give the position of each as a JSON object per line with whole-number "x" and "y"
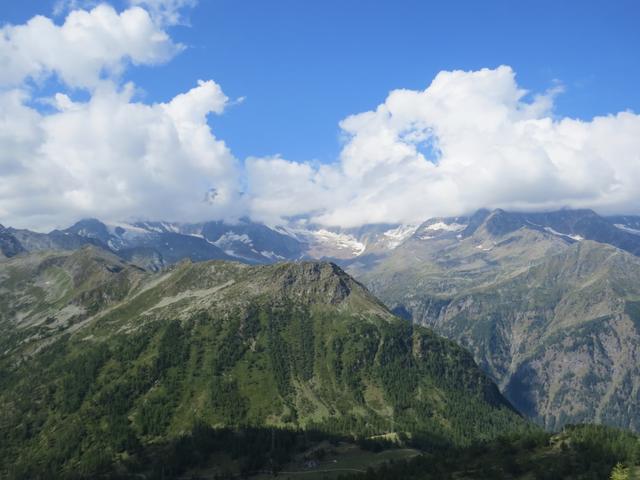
{"x": 149, "y": 356}
{"x": 551, "y": 316}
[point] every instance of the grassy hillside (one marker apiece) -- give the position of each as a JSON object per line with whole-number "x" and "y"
{"x": 145, "y": 360}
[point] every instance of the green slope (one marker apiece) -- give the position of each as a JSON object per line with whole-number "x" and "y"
{"x": 146, "y": 358}
{"x": 555, "y": 323}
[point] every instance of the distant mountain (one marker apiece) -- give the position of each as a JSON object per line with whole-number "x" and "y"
{"x": 345, "y": 244}
{"x": 9, "y": 245}
{"x": 155, "y": 245}
{"x": 103, "y": 362}
{"x": 546, "y": 302}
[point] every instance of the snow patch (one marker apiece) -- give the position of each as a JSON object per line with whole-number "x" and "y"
{"x": 627, "y": 229}
{"x": 340, "y": 240}
{"x": 130, "y": 231}
{"x": 446, "y": 227}
{"x": 271, "y": 255}
{"x": 398, "y": 235}
{"x": 230, "y": 238}
{"x": 152, "y": 228}
{"x": 286, "y": 231}
{"x": 577, "y": 238}
{"x": 170, "y": 227}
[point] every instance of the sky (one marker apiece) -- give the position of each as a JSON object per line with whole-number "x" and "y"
{"x": 343, "y": 112}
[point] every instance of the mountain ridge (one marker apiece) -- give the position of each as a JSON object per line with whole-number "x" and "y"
{"x": 158, "y": 244}
{"x": 149, "y": 356}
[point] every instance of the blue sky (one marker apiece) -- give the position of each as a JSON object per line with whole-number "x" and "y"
{"x": 340, "y": 112}
{"x": 305, "y": 65}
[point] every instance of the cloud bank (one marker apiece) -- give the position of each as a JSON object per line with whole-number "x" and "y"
{"x": 109, "y": 156}
{"x": 468, "y": 140}
{"x": 114, "y": 158}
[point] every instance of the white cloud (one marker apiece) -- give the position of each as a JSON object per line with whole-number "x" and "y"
{"x": 110, "y": 156}
{"x": 470, "y": 139}
{"x": 88, "y": 47}
{"x": 279, "y": 188}
{"x": 166, "y": 12}
{"x": 115, "y": 159}
{"x": 495, "y": 148}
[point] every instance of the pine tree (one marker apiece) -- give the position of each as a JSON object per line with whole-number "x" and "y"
{"x": 620, "y": 472}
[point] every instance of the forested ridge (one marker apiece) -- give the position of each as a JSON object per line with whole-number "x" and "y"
{"x": 310, "y": 352}
{"x": 243, "y": 370}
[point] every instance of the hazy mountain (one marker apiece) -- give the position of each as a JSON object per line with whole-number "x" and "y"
{"x": 345, "y": 244}
{"x": 156, "y": 245}
{"x": 101, "y": 360}
{"x": 9, "y": 245}
{"x": 550, "y": 314}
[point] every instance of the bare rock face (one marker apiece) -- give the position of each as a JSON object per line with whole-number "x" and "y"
{"x": 324, "y": 281}
{"x": 553, "y": 317}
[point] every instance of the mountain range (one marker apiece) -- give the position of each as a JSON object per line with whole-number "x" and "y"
{"x": 158, "y": 244}
{"x": 547, "y": 303}
{"x": 155, "y": 245}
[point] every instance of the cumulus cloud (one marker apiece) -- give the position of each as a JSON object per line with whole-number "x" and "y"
{"x": 109, "y": 156}
{"x": 470, "y": 139}
{"x": 89, "y": 46}
{"x": 114, "y": 158}
{"x": 277, "y": 188}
